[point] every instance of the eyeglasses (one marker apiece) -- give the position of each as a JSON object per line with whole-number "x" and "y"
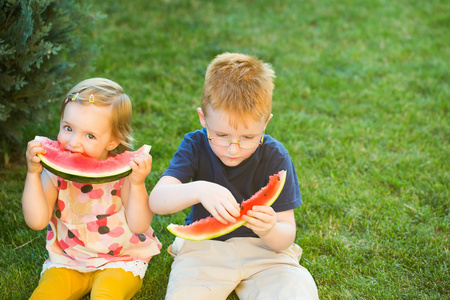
{"x": 222, "y": 142}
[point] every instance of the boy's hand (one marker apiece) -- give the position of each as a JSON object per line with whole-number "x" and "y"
{"x": 141, "y": 165}
{"x": 261, "y": 219}
{"x": 219, "y": 201}
{"x": 33, "y": 161}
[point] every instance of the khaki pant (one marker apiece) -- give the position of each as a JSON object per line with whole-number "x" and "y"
{"x": 213, "y": 269}
{"x": 61, "y": 283}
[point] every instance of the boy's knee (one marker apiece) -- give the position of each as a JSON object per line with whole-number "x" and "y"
{"x": 284, "y": 282}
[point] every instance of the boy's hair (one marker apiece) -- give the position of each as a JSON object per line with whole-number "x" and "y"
{"x": 106, "y": 92}
{"x": 239, "y": 84}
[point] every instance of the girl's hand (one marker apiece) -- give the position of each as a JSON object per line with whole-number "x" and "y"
{"x": 141, "y": 165}
{"x": 260, "y": 219}
{"x": 219, "y": 201}
{"x": 33, "y": 161}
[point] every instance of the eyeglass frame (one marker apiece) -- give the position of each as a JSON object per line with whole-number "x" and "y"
{"x": 230, "y": 142}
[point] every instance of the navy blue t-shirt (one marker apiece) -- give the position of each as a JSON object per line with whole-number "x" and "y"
{"x": 195, "y": 160}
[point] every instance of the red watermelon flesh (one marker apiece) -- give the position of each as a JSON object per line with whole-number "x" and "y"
{"x": 209, "y": 227}
{"x": 80, "y": 168}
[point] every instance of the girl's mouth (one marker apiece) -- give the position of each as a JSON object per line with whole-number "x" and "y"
{"x": 76, "y": 152}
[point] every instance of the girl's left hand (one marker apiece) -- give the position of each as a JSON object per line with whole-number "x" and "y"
{"x": 141, "y": 165}
{"x": 261, "y": 219}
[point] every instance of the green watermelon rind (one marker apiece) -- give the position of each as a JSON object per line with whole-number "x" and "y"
{"x": 173, "y": 228}
{"x": 80, "y": 177}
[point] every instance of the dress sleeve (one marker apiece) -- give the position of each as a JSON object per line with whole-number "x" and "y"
{"x": 52, "y": 177}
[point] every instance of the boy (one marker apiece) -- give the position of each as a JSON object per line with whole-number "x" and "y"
{"x": 216, "y": 168}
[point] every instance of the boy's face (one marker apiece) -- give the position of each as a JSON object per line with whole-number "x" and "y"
{"x": 218, "y": 125}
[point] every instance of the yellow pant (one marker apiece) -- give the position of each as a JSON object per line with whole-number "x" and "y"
{"x": 61, "y": 283}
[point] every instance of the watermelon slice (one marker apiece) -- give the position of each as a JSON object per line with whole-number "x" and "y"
{"x": 82, "y": 169}
{"x": 209, "y": 227}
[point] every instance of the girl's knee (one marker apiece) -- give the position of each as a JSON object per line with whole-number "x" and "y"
{"x": 61, "y": 283}
{"x": 115, "y": 284}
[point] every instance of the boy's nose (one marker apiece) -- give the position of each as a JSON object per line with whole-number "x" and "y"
{"x": 234, "y": 147}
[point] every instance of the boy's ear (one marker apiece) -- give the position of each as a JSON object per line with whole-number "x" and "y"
{"x": 201, "y": 116}
{"x": 267, "y": 122}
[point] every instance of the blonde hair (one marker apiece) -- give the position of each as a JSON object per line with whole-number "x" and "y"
{"x": 105, "y": 93}
{"x": 239, "y": 84}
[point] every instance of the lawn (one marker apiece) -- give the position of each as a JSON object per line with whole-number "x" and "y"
{"x": 361, "y": 102}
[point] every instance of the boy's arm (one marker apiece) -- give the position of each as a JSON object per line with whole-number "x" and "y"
{"x": 277, "y": 230}
{"x": 134, "y": 194}
{"x": 170, "y": 196}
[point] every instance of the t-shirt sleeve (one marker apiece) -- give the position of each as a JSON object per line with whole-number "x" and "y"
{"x": 183, "y": 164}
{"x": 290, "y": 196}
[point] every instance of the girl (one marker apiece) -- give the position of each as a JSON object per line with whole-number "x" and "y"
{"x": 99, "y": 237}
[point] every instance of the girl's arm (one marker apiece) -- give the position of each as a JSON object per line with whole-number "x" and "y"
{"x": 135, "y": 196}
{"x": 39, "y": 194}
{"x": 170, "y": 196}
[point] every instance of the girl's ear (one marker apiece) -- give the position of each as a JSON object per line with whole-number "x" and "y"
{"x": 201, "y": 116}
{"x": 112, "y": 145}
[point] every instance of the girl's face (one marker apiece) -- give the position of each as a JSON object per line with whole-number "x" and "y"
{"x": 86, "y": 129}
{"x": 218, "y": 126}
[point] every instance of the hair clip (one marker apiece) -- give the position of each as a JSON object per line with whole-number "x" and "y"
{"x": 91, "y": 98}
{"x": 75, "y": 97}
{"x": 66, "y": 100}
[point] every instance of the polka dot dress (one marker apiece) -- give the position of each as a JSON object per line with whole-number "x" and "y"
{"x": 88, "y": 229}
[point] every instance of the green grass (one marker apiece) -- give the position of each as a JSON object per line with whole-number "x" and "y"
{"x": 361, "y": 102}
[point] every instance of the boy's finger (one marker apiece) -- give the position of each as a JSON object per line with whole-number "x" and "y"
{"x": 265, "y": 209}
{"x": 223, "y": 212}
{"x": 219, "y": 217}
{"x": 233, "y": 209}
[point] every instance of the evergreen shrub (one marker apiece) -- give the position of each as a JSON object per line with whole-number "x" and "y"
{"x": 43, "y": 49}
